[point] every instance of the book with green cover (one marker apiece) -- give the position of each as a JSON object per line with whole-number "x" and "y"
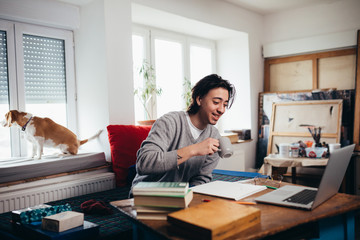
{"x": 161, "y": 188}
{"x": 170, "y": 201}
{"x": 154, "y": 213}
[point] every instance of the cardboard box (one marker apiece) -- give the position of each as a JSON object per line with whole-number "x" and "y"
{"x": 62, "y": 221}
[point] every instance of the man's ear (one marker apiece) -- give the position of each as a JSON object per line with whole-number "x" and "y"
{"x": 198, "y": 100}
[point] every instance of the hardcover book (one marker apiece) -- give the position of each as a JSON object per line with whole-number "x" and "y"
{"x": 153, "y": 213}
{"x": 173, "y": 201}
{"x": 160, "y": 188}
{"x": 62, "y": 221}
{"x": 152, "y": 216}
{"x": 217, "y": 219}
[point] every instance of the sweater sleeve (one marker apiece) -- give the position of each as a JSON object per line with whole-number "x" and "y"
{"x": 153, "y": 156}
{"x": 205, "y": 173}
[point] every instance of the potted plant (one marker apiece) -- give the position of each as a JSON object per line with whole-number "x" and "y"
{"x": 148, "y": 91}
{"x": 187, "y": 92}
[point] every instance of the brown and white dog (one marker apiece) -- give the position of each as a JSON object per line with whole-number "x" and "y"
{"x": 44, "y": 132}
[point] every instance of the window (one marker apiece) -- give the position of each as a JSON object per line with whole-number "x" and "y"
{"x": 176, "y": 59}
{"x": 169, "y": 76}
{"x": 36, "y": 76}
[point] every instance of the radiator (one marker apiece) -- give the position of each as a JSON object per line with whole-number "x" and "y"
{"x": 47, "y": 190}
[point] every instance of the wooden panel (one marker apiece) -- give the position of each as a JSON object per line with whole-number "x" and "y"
{"x": 312, "y": 56}
{"x": 337, "y": 72}
{"x": 315, "y": 71}
{"x": 291, "y": 76}
{"x": 267, "y": 76}
{"x": 315, "y": 75}
{"x": 356, "y": 138}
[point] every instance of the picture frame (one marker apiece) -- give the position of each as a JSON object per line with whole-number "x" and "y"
{"x": 289, "y": 121}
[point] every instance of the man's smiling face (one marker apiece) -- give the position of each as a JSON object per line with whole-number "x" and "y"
{"x": 213, "y": 105}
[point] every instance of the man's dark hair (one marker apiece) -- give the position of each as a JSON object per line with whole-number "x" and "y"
{"x": 202, "y": 88}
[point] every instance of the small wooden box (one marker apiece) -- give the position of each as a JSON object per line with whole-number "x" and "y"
{"x": 218, "y": 219}
{"x": 62, "y": 221}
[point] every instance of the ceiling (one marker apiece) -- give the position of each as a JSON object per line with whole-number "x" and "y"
{"x": 262, "y": 7}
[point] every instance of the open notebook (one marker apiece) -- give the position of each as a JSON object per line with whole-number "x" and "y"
{"x": 232, "y": 190}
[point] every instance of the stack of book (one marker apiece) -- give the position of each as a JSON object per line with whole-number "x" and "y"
{"x": 155, "y": 200}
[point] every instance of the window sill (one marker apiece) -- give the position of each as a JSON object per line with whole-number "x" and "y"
{"x": 18, "y": 169}
{"x": 243, "y": 141}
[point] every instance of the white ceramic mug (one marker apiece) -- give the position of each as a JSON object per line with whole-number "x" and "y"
{"x": 333, "y": 146}
{"x": 284, "y": 149}
{"x": 225, "y": 148}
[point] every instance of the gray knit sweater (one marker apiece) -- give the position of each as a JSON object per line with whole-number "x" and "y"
{"x": 157, "y": 157}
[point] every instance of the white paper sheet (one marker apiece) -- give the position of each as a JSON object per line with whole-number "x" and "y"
{"x": 232, "y": 190}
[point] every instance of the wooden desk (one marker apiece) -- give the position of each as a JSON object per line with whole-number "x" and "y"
{"x": 334, "y": 219}
{"x": 270, "y": 162}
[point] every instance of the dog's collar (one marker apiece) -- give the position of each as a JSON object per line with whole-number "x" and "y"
{"x": 24, "y": 127}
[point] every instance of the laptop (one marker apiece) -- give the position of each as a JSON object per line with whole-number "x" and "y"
{"x": 307, "y": 197}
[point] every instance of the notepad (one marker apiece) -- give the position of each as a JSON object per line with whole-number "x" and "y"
{"x": 232, "y": 190}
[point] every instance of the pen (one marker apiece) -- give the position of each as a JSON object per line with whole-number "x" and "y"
{"x": 238, "y": 202}
{"x": 246, "y": 203}
{"x": 270, "y": 187}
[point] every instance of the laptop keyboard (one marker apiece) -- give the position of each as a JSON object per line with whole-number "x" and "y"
{"x": 303, "y": 197}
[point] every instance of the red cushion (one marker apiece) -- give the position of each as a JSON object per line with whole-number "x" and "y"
{"x": 125, "y": 140}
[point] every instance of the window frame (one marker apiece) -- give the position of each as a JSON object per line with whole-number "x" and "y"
{"x": 151, "y": 33}
{"x": 14, "y": 32}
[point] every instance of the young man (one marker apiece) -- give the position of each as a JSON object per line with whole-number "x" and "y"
{"x": 182, "y": 146}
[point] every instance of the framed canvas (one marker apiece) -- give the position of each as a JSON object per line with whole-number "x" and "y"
{"x": 267, "y": 99}
{"x": 289, "y": 121}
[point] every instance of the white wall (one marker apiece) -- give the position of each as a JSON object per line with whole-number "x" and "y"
{"x": 91, "y": 74}
{"x": 104, "y": 69}
{"x": 321, "y": 27}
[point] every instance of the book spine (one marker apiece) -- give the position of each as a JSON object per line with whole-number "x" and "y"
{"x": 51, "y": 225}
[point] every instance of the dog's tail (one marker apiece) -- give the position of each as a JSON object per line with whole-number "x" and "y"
{"x": 91, "y": 138}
